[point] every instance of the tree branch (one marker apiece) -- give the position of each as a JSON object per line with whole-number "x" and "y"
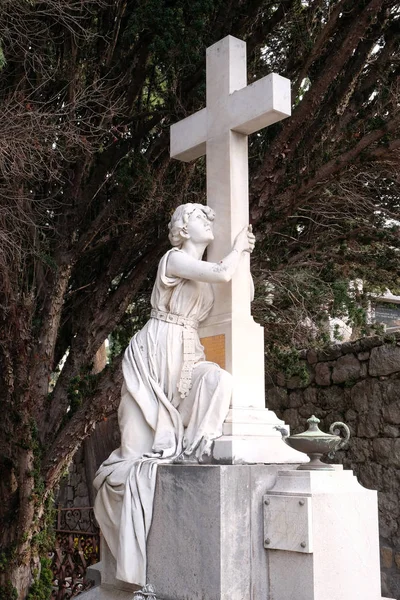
{"x": 293, "y": 128}
{"x": 102, "y": 403}
{"x": 99, "y": 322}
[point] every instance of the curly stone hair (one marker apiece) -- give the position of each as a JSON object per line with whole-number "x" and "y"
{"x": 180, "y": 218}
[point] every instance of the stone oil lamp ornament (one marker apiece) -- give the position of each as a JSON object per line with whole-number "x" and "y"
{"x": 315, "y": 443}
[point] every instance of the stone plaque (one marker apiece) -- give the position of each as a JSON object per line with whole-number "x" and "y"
{"x": 214, "y": 348}
{"x": 388, "y": 314}
{"x": 288, "y": 523}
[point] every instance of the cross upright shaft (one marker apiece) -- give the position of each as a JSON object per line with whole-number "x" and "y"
{"x": 234, "y": 110}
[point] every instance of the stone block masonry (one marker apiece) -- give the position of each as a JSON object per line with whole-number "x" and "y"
{"x": 358, "y": 383}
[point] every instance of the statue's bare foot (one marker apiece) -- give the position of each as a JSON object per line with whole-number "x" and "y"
{"x": 204, "y": 451}
{"x": 146, "y": 593}
{"x": 185, "y": 459}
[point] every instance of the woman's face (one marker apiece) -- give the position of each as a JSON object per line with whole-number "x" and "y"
{"x": 199, "y": 228}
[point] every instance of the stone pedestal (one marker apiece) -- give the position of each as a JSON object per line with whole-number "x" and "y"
{"x": 250, "y": 437}
{"x": 321, "y": 532}
{"x": 206, "y": 540}
{"x": 256, "y": 532}
{"x": 111, "y": 588}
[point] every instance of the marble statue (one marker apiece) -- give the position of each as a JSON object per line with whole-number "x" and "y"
{"x": 173, "y": 401}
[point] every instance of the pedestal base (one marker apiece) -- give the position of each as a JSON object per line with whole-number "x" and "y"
{"x": 105, "y": 592}
{"x": 321, "y": 532}
{"x": 256, "y": 532}
{"x": 250, "y": 437}
{"x": 206, "y": 540}
{"x": 239, "y": 450}
{"x": 111, "y": 588}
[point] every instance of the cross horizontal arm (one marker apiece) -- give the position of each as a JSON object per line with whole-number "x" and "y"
{"x": 260, "y": 104}
{"x": 248, "y": 110}
{"x": 188, "y": 137}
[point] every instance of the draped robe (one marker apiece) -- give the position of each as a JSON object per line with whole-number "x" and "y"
{"x": 158, "y": 425}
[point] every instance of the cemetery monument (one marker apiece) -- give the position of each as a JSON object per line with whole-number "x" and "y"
{"x": 203, "y": 499}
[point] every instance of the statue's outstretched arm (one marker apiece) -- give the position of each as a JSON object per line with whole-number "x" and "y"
{"x": 181, "y": 264}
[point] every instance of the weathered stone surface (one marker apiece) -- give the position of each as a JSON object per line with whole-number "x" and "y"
{"x": 350, "y": 416}
{"x": 312, "y": 357}
{"x": 74, "y": 479}
{"x": 311, "y": 395}
{"x": 294, "y": 382}
{"x": 387, "y": 451}
{"x": 391, "y": 431}
{"x": 386, "y": 557}
{"x": 370, "y": 473}
{"x": 281, "y": 379}
{"x": 391, "y": 413}
{"x": 81, "y": 490}
{"x": 276, "y": 398}
{"x": 350, "y": 347}
{"x": 371, "y": 342}
{"x": 382, "y": 450}
{"x": 322, "y": 374}
{"x": 369, "y": 425}
{"x": 384, "y": 585}
{"x": 395, "y": 458}
{"x": 296, "y": 399}
{"x": 330, "y": 398}
{"x": 384, "y": 360}
{"x": 306, "y": 411}
{"x": 347, "y": 368}
{"x": 391, "y": 391}
{"x": 387, "y": 524}
{"x": 292, "y": 416}
{"x": 330, "y": 353}
{"x": 364, "y": 393}
{"x": 81, "y": 501}
{"x": 363, "y": 355}
{"x": 359, "y": 451}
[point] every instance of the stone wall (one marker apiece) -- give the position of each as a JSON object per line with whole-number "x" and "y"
{"x": 358, "y": 383}
{"x": 74, "y": 490}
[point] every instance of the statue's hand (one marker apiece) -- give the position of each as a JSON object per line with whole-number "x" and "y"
{"x": 245, "y": 240}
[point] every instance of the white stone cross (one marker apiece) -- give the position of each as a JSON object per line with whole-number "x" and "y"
{"x": 220, "y": 131}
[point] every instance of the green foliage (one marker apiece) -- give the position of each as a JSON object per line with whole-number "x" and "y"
{"x": 7, "y": 556}
{"x": 80, "y": 387}
{"x": 288, "y": 362}
{"x": 43, "y": 541}
{"x": 8, "y": 592}
{"x": 42, "y": 586}
{"x": 135, "y": 318}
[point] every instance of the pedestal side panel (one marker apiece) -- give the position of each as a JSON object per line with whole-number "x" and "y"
{"x": 206, "y": 541}
{"x": 184, "y": 551}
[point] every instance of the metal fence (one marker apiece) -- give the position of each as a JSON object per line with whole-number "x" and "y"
{"x": 77, "y": 547}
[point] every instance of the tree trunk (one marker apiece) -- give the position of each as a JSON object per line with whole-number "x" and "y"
{"x": 21, "y": 508}
{"x": 23, "y": 536}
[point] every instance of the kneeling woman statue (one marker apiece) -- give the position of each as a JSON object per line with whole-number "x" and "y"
{"x": 173, "y": 401}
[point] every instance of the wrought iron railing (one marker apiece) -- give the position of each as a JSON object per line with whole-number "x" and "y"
{"x": 77, "y": 547}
